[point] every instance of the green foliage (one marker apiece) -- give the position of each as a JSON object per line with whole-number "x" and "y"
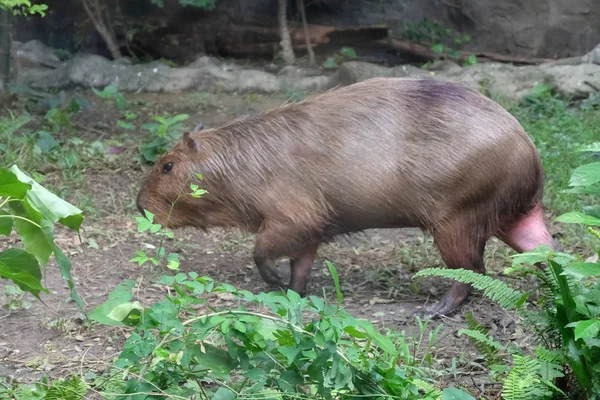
{"x": 111, "y": 92}
{"x": 73, "y": 388}
{"x": 205, "y": 4}
{"x": 23, "y": 7}
{"x": 32, "y": 211}
{"x": 442, "y": 40}
{"x": 240, "y": 353}
{"x": 494, "y": 289}
{"x": 558, "y": 132}
{"x": 15, "y": 298}
{"x": 266, "y": 345}
{"x": 345, "y": 53}
{"x": 161, "y": 136}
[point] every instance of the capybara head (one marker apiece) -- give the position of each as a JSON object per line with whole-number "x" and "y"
{"x": 169, "y": 182}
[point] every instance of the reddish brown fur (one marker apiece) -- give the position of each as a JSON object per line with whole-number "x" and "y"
{"x": 382, "y": 153}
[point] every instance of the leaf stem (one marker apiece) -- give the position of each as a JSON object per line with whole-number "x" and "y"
{"x": 23, "y": 218}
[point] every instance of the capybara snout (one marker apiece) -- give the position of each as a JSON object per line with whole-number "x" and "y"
{"x": 382, "y": 153}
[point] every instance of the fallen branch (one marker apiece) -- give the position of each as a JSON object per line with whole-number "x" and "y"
{"x": 425, "y": 52}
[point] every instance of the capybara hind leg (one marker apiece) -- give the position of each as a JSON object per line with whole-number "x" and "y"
{"x": 301, "y": 266}
{"x": 461, "y": 247}
{"x": 528, "y": 232}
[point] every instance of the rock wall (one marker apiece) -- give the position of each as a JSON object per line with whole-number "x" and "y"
{"x": 544, "y": 28}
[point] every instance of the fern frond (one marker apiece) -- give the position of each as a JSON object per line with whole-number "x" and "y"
{"x": 68, "y": 389}
{"x": 489, "y": 352}
{"x": 482, "y": 338}
{"x": 523, "y": 382}
{"x": 551, "y": 364}
{"x": 493, "y": 289}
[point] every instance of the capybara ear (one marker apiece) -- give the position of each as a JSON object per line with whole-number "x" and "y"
{"x": 193, "y": 144}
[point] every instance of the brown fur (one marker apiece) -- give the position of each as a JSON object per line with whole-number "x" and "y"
{"x": 382, "y": 153}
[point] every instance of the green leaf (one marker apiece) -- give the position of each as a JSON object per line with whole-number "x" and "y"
{"x": 456, "y": 394}
{"x": 582, "y": 270}
{"x": 23, "y": 269}
{"x": 585, "y": 329}
{"x": 120, "y": 295}
{"x": 437, "y": 48}
{"x": 348, "y": 52}
{"x": 586, "y": 175}
{"x": 125, "y": 125}
{"x": 224, "y": 394}
{"x": 6, "y": 223}
{"x": 578, "y": 218}
{"x": 10, "y": 185}
{"x": 48, "y": 204}
{"x": 46, "y": 141}
{"x": 33, "y": 237}
{"x": 122, "y": 311}
{"x": 336, "y": 280}
{"x": 330, "y": 63}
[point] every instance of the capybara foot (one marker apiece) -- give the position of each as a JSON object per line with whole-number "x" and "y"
{"x": 450, "y": 303}
{"x": 271, "y": 276}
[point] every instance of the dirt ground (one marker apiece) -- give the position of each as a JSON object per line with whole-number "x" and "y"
{"x": 375, "y": 267}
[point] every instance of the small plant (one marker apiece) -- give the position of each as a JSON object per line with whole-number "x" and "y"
{"x": 338, "y": 58}
{"x": 442, "y": 40}
{"x": 564, "y": 320}
{"x": 15, "y": 299}
{"x": 32, "y": 211}
{"x": 73, "y": 388}
{"x": 111, "y": 92}
{"x": 23, "y": 7}
{"x": 162, "y": 134}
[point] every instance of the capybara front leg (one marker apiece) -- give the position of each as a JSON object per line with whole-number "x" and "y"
{"x": 461, "y": 247}
{"x": 266, "y": 263}
{"x": 273, "y": 243}
{"x": 301, "y": 266}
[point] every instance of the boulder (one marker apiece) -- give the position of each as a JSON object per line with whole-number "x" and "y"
{"x": 34, "y": 54}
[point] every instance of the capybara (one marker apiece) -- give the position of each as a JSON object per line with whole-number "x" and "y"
{"x": 382, "y": 153}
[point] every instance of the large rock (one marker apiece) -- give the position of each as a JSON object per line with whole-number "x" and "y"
{"x": 576, "y": 81}
{"x": 34, "y": 54}
{"x": 205, "y": 74}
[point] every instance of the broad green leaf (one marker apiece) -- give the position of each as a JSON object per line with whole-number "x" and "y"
{"x": 224, "y": 394}
{"x": 586, "y": 175}
{"x": 456, "y": 394}
{"x": 120, "y": 295}
{"x": 49, "y": 205}
{"x": 33, "y": 237}
{"x": 10, "y": 185}
{"x": 578, "y": 218}
{"x": 582, "y": 270}
{"x": 23, "y": 269}
{"x": 348, "y": 52}
{"x": 123, "y": 310}
{"x": 6, "y": 223}
{"x": 585, "y": 329}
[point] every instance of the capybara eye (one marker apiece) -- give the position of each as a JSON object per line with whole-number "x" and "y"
{"x": 167, "y": 167}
